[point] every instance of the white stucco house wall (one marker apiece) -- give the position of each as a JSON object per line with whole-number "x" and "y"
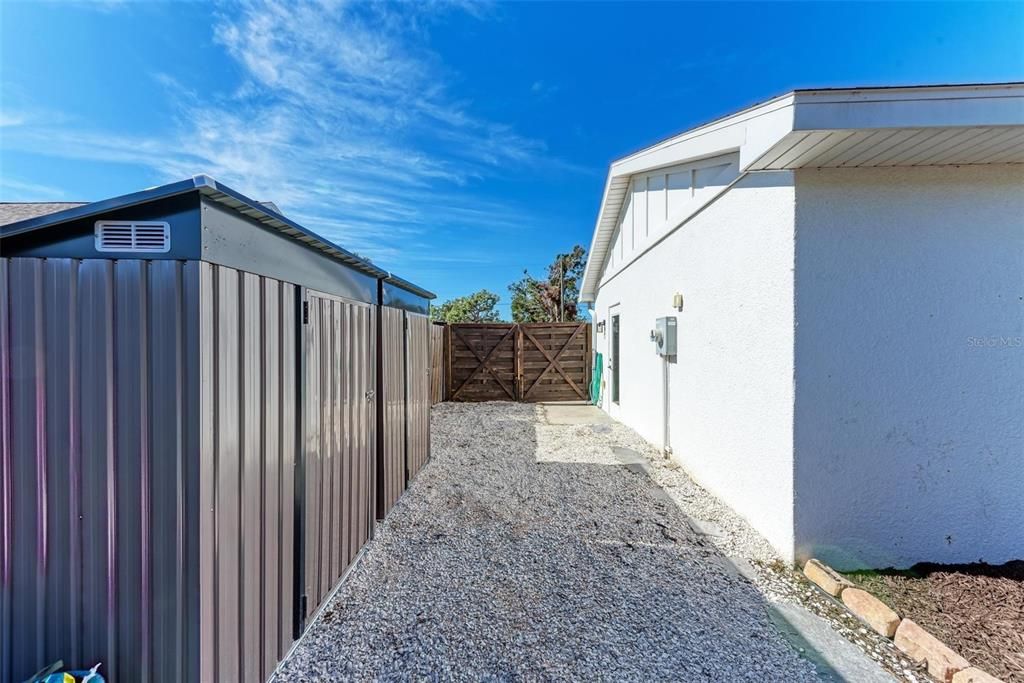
{"x": 850, "y": 366}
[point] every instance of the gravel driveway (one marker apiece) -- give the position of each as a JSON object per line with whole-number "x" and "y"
{"x": 526, "y": 550}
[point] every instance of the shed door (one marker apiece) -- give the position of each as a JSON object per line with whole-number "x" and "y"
{"x": 339, "y": 426}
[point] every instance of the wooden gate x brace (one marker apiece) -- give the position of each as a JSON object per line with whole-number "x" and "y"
{"x": 518, "y": 362}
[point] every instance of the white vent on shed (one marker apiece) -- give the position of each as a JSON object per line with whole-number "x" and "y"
{"x": 151, "y": 237}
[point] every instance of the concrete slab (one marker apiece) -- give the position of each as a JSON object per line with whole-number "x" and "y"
{"x": 706, "y": 528}
{"x": 836, "y": 658}
{"x": 574, "y": 414}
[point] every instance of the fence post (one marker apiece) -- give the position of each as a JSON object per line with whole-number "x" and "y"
{"x": 447, "y": 362}
{"x": 518, "y": 361}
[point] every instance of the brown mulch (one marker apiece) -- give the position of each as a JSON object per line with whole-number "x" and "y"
{"x": 977, "y": 609}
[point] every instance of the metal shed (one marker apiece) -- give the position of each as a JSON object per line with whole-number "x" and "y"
{"x": 189, "y": 434}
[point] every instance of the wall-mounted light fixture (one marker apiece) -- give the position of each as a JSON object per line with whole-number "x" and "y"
{"x": 677, "y": 301}
{"x": 600, "y": 327}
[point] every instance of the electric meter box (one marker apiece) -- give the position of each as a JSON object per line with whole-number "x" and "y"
{"x": 665, "y": 336}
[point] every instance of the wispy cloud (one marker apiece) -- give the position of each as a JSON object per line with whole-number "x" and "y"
{"x": 10, "y": 118}
{"x": 15, "y": 189}
{"x": 342, "y": 117}
{"x": 543, "y": 89}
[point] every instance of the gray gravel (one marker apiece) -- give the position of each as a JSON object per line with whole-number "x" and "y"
{"x": 526, "y": 551}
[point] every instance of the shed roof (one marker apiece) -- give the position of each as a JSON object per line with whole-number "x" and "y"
{"x": 48, "y": 215}
{"x": 833, "y": 127}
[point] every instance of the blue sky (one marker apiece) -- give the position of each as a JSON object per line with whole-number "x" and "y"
{"x": 455, "y": 144}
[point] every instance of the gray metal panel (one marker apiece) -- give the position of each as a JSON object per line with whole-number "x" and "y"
{"x": 247, "y": 461}
{"x": 417, "y": 412}
{"x": 232, "y": 239}
{"x": 76, "y": 238}
{"x": 95, "y": 432}
{"x": 396, "y": 296}
{"x": 339, "y": 437}
{"x": 392, "y": 404}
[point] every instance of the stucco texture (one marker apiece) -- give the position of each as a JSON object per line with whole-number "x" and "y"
{"x": 731, "y": 384}
{"x": 909, "y": 365}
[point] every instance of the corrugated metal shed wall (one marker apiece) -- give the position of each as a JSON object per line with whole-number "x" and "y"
{"x": 392, "y": 463}
{"x": 340, "y": 438}
{"x": 98, "y": 360}
{"x": 148, "y": 463}
{"x": 246, "y": 468}
{"x": 147, "y": 470}
{"x": 417, "y": 412}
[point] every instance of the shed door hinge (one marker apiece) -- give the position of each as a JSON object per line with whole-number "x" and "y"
{"x": 305, "y": 312}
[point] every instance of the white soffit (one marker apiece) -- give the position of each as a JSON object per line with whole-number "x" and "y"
{"x": 895, "y": 147}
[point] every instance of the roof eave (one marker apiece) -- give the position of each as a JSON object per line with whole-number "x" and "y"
{"x": 766, "y": 130}
{"x": 215, "y": 191}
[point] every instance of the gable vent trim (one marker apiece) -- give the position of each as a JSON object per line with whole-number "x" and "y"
{"x": 133, "y": 236}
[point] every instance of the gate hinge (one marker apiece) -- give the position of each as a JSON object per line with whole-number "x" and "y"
{"x": 305, "y": 319}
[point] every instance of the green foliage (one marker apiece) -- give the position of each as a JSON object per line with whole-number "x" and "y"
{"x": 479, "y": 307}
{"x": 538, "y": 301}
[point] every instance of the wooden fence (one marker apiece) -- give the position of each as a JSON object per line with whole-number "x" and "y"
{"x": 517, "y": 362}
{"x": 437, "y": 356}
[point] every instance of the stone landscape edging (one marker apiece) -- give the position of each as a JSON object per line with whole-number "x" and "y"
{"x": 942, "y": 661}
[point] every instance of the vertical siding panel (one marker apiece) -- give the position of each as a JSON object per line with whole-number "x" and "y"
{"x": 271, "y": 529}
{"x": 28, "y": 525}
{"x": 358, "y": 363}
{"x": 166, "y": 377}
{"x": 251, "y": 464}
{"x": 74, "y": 584}
{"x": 342, "y": 362}
{"x": 96, "y": 398}
{"x": 336, "y": 539}
{"x": 130, "y": 470}
{"x": 355, "y": 360}
{"x": 312, "y": 456}
{"x": 227, "y": 547}
{"x": 363, "y": 425}
{"x": 288, "y": 440}
{"x": 322, "y": 511}
{"x": 193, "y": 473}
{"x": 6, "y": 464}
{"x": 207, "y": 470}
{"x": 393, "y": 402}
{"x": 369, "y": 430}
{"x": 370, "y": 427}
{"x": 58, "y": 309}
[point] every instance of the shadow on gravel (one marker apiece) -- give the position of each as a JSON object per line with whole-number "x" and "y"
{"x": 495, "y": 566}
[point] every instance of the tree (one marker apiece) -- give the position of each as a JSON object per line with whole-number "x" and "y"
{"x": 479, "y": 307}
{"x": 552, "y": 299}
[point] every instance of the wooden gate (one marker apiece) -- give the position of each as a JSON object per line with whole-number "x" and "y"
{"x": 518, "y": 362}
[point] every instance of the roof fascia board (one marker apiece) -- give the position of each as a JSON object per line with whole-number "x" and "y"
{"x": 597, "y": 231}
{"x": 409, "y": 287}
{"x": 716, "y": 124}
{"x": 944, "y": 109}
